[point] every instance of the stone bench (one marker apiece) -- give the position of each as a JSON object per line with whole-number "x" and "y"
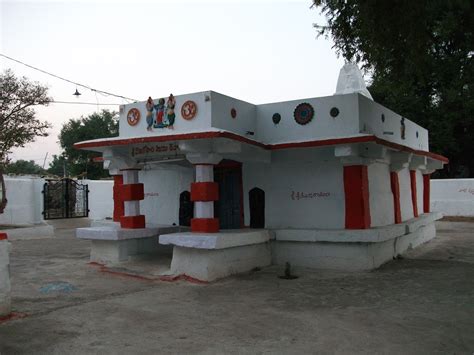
{"x": 112, "y": 244}
{"x": 211, "y": 256}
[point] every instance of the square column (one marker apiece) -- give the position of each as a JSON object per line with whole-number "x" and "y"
{"x": 356, "y": 190}
{"x": 131, "y": 192}
{"x": 204, "y": 192}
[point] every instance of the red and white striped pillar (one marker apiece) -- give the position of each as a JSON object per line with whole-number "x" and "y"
{"x": 204, "y": 192}
{"x": 356, "y": 190}
{"x": 131, "y": 192}
{"x": 118, "y": 202}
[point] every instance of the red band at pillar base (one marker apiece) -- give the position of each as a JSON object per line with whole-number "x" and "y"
{"x": 132, "y": 222}
{"x": 413, "y": 192}
{"x": 356, "y": 190}
{"x": 204, "y": 191}
{"x": 395, "y": 184}
{"x": 426, "y": 193}
{"x": 205, "y": 225}
{"x": 132, "y": 192}
{"x": 3, "y": 236}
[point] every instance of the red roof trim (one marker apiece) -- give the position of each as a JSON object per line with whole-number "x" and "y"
{"x": 229, "y": 135}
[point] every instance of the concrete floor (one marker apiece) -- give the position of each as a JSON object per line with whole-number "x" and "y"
{"x": 422, "y": 304}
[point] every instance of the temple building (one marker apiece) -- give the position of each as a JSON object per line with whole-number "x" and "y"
{"x": 338, "y": 182}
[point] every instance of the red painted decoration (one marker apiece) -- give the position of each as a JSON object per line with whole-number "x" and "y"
{"x": 204, "y": 191}
{"x": 413, "y": 192}
{"x": 426, "y": 193}
{"x": 3, "y": 236}
{"x": 132, "y": 222}
{"x": 205, "y": 225}
{"x": 132, "y": 192}
{"x": 396, "y": 196}
{"x": 118, "y": 202}
{"x": 133, "y": 117}
{"x": 356, "y": 189}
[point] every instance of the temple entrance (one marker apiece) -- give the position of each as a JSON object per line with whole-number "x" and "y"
{"x": 186, "y": 207}
{"x": 257, "y": 208}
{"x": 229, "y": 208}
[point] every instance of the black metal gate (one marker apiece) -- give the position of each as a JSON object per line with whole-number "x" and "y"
{"x": 65, "y": 198}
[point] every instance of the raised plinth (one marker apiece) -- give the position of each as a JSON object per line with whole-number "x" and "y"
{"x": 351, "y": 250}
{"x": 112, "y": 244}
{"x": 211, "y": 256}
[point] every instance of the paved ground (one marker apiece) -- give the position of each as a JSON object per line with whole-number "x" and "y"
{"x": 422, "y": 304}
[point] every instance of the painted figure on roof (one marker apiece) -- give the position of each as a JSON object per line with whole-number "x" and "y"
{"x": 149, "y": 113}
{"x": 170, "y": 115}
{"x": 160, "y": 111}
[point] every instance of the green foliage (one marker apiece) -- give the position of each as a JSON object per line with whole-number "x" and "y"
{"x": 24, "y": 167}
{"x": 420, "y": 55}
{"x": 18, "y": 122}
{"x": 58, "y": 166}
{"x": 79, "y": 162}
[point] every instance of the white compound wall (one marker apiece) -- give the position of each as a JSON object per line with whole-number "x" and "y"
{"x": 453, "y": 197}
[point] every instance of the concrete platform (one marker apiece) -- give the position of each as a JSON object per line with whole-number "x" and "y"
{"x": 111, "y": 244}
{"x": 351, "y": 250}
{"x": 212, "y": 256}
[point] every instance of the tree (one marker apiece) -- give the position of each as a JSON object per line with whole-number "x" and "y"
{"x": 18, "y": 122}
{"x": 58, "y": 166}
{"x": 420, "y": 57}
{"x": 96, "y": 125}
{"x": 24, "y": 167}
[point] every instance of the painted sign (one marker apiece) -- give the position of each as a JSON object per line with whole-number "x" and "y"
{"x": 296, "y": 195}
{"x": 153, "y": 149}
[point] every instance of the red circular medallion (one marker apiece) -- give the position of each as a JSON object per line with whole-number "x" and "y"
{"x": 133, "y": 116}
{"x": 189, "y": 110}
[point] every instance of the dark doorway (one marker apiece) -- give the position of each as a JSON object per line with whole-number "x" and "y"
{"x": 257, "y": 208}
{"x": 185, "y": 209}
{"x": 65, "y": 198}
{"x": 228, "y": 175}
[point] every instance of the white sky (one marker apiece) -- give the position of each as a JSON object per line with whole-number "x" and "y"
{"x": 258, "y": 51}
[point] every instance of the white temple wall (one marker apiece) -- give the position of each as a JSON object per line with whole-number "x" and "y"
{"x": 322, "y": 126}
{"x": 162, "y": 188}
{"x": 244, "y": 121}
{"x": 390, "y": 128}
{"x": 202, "y": 120}
{"x": 303, "y": 189}
{"x": 406, "y": 205}
{"x": 101, "y": 203}
{"x": 380, "y": 195}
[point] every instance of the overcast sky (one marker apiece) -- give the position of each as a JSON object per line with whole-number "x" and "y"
{"x": 257, "y": 51}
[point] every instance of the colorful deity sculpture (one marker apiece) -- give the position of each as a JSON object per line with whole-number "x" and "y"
{"x": 160, "y": 111}
{"x": 149, "y": 113}
{"x": 170, "y": 115}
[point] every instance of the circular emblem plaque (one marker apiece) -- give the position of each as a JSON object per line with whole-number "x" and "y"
{"x": 303, "y": 113}
{"x": 233, "y": 113}
{"x": 189, "y": 110}
{"x": 133, "y": 116}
